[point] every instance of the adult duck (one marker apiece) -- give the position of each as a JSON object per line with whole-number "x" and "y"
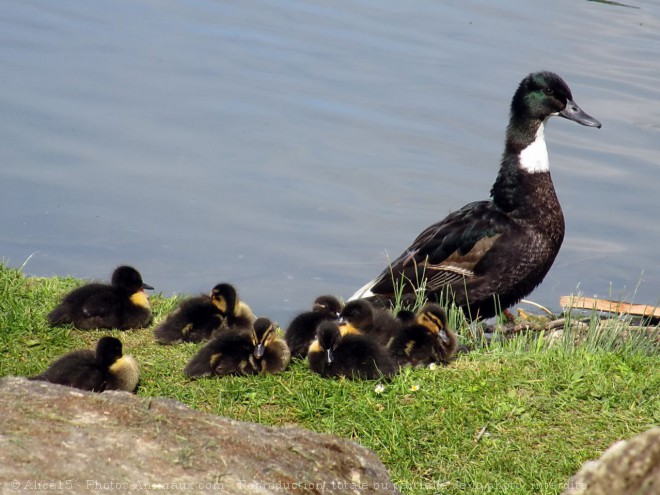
{"x": 490, "y": 254}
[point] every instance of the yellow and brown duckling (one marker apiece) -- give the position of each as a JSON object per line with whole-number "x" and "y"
{"x": 361, "y": 316}
{"x": 271, "y": 354}
{"x": 103, "y": 369}
{"x": 121, "y": 304}
{"x": 352, "y": 355}
{"x": 237, "y": 315}
{"x": 237, "y": 352}
{"x": 198, "y": 318}
{"x": 301, "y": 332}
{"x": 424, "y": 338}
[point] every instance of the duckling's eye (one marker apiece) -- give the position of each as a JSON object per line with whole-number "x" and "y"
{"x": 548, "y": 91}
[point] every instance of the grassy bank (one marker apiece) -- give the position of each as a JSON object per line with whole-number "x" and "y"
{"x": 513, "y": 418}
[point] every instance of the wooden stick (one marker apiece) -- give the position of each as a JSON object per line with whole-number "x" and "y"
{"x": 609, "y": 306}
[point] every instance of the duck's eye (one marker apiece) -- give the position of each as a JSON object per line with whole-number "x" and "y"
{"x": 548, "y": 91}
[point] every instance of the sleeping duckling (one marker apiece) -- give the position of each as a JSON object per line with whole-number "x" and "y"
{"x": 96, "y": 371}
{"x": 360, "y": 316}
{"x": 423, "y": 340}
{"x": 122, "y": 304}
{"x": 197, "y": 318}
{"x": 302, "y": 329}
{"x": 236, "y": 352}
{"x": 351, "y": 355}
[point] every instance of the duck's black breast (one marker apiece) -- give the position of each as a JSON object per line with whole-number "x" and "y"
{"x": 529, "y": 241}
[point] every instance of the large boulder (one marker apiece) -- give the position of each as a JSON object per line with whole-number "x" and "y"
{"x": 628, "y": 467}
{"x": 55, "y": 437}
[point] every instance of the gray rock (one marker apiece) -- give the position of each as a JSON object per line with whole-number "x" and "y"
{"x": 628, "y": 467}
{"x": 55, "y": 437}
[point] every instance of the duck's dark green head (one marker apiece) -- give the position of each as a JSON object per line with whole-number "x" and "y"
{"x": 263, "y": 334}
{"x": 129, "y": 278}
{"x": 542, "y": 94}
{"x": 108, "y": 350}
{"x": 225, "y": 298}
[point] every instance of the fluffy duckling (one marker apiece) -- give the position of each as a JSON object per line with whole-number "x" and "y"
{"x": 196, "y": 319}
{"x": 360, "y": 316}
{"x": 302, "y": 329}
{"x": 271, "y": 353}
{"x": 236, "y": 314}
{"x": 351, "y": 355}
{"x": 236, "y": 352}
{"x": 490, "y": 254}
{"x": 103, "y": 369}
{"x": 425, "y": 338}
{"x": 122, "y": 304}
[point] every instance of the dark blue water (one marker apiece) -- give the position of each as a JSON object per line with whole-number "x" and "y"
{"x": 289, "y": 147}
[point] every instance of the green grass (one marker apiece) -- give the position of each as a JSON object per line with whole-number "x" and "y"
{"x": 516, "y": 417}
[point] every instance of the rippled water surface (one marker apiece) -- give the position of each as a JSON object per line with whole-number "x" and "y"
{"x": 290, "y": 146}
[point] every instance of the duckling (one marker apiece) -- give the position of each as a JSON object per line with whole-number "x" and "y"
{"x": 425, "y": 339}
{"x": 96, "y": 371}
{"x": 197, "y": 318}
{"x": 236, "y": 352}
{"x": 490, "y": 254}
{"x": 122, "y": 304}
{"x": 352, "y": 355}
{"x": 236, "y": 314}
{"x": 360, "y": 316}
{"x": 271, "y": 353}
{"x": 302, "y": 329}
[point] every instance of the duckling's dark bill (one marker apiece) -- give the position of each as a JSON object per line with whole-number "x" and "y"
{"x": 573, "y": 112}
{"x": 259, "y": 351}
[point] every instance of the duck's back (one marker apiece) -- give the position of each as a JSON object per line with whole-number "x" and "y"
{"x": 226, "y": 354}
{"x": 78, "y": 369}
{"x": 301, "y": 332}
{"x": 193, "y": 321}
{"x": 235, "y": 358}
{"x": 413, "y": 345}
{"x": 89, "y": 306}
{"x": 358, "y": 356}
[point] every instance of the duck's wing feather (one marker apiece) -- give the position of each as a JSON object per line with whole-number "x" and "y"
{"x": 77, "y": 369}
{"x": 101, "y": 303}
{"x": 448, "y": 251}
